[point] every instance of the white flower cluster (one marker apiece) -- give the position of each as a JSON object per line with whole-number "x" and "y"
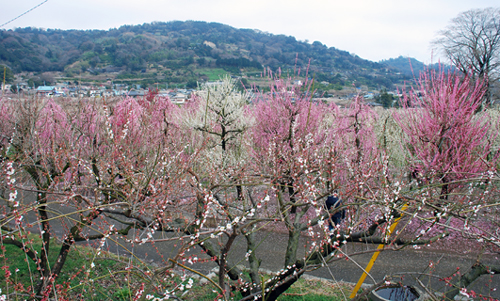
{"x": 109, "y": 129}
{"x": 125, "y": 128}
{"x": 222, "y": 104}
{"x": 210, "y": 208}
{"x": 167, "y": 294}
{"x": 10, "y": 182}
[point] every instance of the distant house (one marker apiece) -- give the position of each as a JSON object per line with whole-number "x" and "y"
{"x": 46, "y": 90}
{"x": 5, "y": 87}
{"x": 23, "y": 86}
{"x": 136, "y": 93}
{"x": 120, "y": 92}
{"x": 73, "y": 91}
{"x": 108, "y": 93}
{"x": 179, "y": 98}
{"x": 163, "y": 93}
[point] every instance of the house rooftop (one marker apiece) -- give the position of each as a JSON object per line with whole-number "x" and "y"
{"x": 45, "y": 88}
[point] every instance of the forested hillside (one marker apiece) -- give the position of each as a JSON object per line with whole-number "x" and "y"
{"x": 410, "y": 67}
{"x": 182, "y": 52}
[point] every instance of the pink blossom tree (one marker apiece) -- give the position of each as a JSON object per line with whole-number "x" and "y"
{"x": 450, "y": 156}
{"x": 99, "y": 164}
{"x": 444, "y": 139}
{"x": 305, "y": 151}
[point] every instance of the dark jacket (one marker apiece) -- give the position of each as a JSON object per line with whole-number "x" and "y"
{"x": 333, "y": 202}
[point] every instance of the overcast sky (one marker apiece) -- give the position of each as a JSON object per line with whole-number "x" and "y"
{"x": 372, "y": 29}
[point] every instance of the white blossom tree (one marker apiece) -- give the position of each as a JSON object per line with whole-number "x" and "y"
{"x": 220, "y": 111}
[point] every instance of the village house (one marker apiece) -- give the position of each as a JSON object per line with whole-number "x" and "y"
{"x": 46, "y": 90}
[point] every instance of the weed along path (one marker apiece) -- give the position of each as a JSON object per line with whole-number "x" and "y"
{"x": 411, "y": 267}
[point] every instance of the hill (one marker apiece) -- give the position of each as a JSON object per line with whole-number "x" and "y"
{"x": 411, "y": 67}
{"x": 183, "y": 53}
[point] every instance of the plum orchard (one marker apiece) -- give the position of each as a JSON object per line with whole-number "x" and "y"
{"x": 226, "y": 165}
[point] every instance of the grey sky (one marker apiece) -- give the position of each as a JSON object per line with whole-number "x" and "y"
{"x": 372, "y": 29}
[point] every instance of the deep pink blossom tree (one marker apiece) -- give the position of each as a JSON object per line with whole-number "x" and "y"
{"x": 451, "y": 158}
{"x": 445, "y": 141}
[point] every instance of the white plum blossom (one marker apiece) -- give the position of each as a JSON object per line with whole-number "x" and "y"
{"x": 190, "y": 283}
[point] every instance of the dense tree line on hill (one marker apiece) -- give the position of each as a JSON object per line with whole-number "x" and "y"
{"x": 241, "y": 62}
{"x": 182, "y": 45}
{"x": 411, "y": 67}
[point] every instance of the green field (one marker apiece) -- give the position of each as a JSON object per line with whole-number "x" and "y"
{"x": 213, "y": 74}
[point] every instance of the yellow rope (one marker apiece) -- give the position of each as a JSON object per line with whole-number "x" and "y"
{"x": 374, "y": 257}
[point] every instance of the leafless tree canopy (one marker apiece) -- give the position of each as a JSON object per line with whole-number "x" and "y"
{"x": 472, "y": 43}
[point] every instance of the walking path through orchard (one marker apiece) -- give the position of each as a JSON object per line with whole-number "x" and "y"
{"x": 406, "y": 265}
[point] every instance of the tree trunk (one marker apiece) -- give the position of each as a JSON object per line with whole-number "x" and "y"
{"x": 252, "y": 258}
{"x": 222, "y": 264}
{"x": 291, "y": 248}
{"x": 44, "y": 218}
{"x": 56, "y": 269}
{"x": 476, "y": 271}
